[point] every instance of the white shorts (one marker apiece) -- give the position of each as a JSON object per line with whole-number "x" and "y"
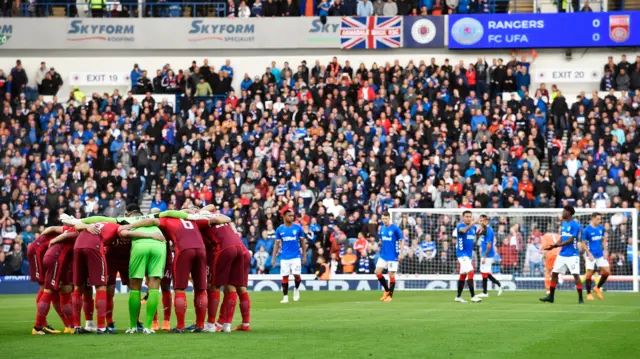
{"x": 465, "y": 265}
{"x": 597, "y": 262}
{"x": 290, "y": 266}
{"x": 486, "y": 267}
{"x": 563, "y": 263}
{"x": 391, "y": 266}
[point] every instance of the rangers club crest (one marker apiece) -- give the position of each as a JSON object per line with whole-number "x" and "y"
{"x": 619, "y": 26}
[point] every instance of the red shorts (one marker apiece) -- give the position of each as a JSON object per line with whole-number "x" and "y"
{"x": 167, "y": 277}
{"x": 115, "y": 266}
{"x": 190, "y": 261}
{"x": 232, "y": 267}
{"x": 35, "y": 255}
{"x": 89, "y": 267}
{"x": 211, "y": 257}
{"x": 58, "y": 266}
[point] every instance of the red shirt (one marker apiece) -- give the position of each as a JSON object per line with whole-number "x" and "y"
{"x": 509, "y": 255}
{"x": 60, "y": 246}
{"x": 222, "y": 235}
{"x": 42, "y": 241}
{"x": 183, "y": 233}
{"x": 108, "y": 234}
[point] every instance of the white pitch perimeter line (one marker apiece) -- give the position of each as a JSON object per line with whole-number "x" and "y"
{"x": 443, "y": 310}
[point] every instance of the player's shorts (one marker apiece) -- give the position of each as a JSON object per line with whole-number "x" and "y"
{"x": 550, "y": 262}
{"x": 147, "y": 258}
{"x": 391, "y": 266}
{"x": 290, "y": 266}
{"x": 465, "y": 265}
{"x": 58, "y": 267}
{"x": 211, "y": 257}
{"x": 115, "y": 266}
{"x": 35, "y": 254}
{"x": 486, "y": 267}
{"x": 89, "y": 267}
{"x": 564, "y": 263}
{"x": 190, "y": 261}
{"x": 597, "y": 262}
{"x": 232, "y": 267}
{"x": 167, "y": 276}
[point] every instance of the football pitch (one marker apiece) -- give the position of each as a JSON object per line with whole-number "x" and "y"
{"x": 357, "y": 325}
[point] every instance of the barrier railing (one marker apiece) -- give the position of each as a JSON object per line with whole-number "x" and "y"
{"x": 124, "y": 9}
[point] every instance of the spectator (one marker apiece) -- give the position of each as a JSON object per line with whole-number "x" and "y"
{"x": 4, "y": 266}
{"x": 290, "y": 9}
{"x": 243, "y": 10}
{"x": 622, "y": 81}
{"x": 378, "y": 6}
{"x": 348, "y": 262}
{"x": 158, "y": 203}
{"x": 364, "y": 8}
{"x": 262, "y": 261}
{"x": 509, "y": 255}
{"x": 14, "y": 260}
{"x": 586, "y": 7}
{"x": 534, "y": 257}
{"x": 337, "y": 9}
{"x": 256, "y": 9}
{"x": 390, "y": 8}
{"x": 323, "y": 8}
{"x": 203, "y": 88}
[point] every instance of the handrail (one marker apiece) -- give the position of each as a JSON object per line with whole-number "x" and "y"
{"x": 125, "y": 9}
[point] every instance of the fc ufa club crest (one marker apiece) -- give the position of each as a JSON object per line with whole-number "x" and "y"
{"x": 619, "y": 27}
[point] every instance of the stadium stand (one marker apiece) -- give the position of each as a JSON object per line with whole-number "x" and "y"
{"x": 335, "y": 143}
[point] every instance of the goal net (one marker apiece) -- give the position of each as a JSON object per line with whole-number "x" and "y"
{"x": 519, "y": 262}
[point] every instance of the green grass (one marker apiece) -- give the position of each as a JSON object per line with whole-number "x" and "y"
{"x": 356, "y": 325}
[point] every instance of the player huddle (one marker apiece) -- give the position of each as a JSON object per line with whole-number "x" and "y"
{"x": 69, "y": 260}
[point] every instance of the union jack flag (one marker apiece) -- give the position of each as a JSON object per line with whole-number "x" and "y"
{"x": 371, "y": 32}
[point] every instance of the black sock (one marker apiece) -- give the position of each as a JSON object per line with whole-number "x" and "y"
{"x": 552, "y": 291}
{"x": 603, "y": 279}
{"x": 484, "y": 285}
{"x": 494, "y": 280}
{"x": 589, "y": 282}
{"x": 471, "y": 289}
{"x": 285, "y": 287}
{"x": 383, "y": 283}
{"x": 580, "y": 293}
{"x": 460, "y": 287}
{"x": 298, "y": 281}
{"x": 392, "y": 287}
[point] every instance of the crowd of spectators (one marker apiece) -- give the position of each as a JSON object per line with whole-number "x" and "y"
{"x": 337, "y": 143}
{"x": 257, "y": 8}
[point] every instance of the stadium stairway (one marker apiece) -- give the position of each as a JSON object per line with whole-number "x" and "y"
{"x": 145, "y": 203}
{"x": 521, "y": 6}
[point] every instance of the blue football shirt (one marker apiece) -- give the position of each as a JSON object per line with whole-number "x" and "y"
{"x": 290, "y": 238}
{"x": 568, "y": 230}
{"x": 464, "y": 247}
{"x": 391, "y": 238}
{"x": 487, "y": 240}
{"x": 593, "y": 236}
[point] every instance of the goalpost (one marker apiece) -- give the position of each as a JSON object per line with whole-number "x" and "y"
{"x": 430, "y": 256}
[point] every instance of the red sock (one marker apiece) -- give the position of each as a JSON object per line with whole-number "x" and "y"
{"x": 230, "y": 307}
{"x": 245, "y": 307}
{"x": 44, "y": 304}
{"x": 200, "y": 301}
{"x": 55, "y": 300}
{"x": 87, "y": 306}
{"x": 67, "y": 308}
{"x": 76, "y": 304}
{"x": 181, "y": 308}
{"x": 101, "y": 307}
{"x": 213, "y": 302}
{"x": 38, "y": 296}
{"x": 109, "y": 314}
{"x": 166, "y": 304}
{"x": 222, "y": 317}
